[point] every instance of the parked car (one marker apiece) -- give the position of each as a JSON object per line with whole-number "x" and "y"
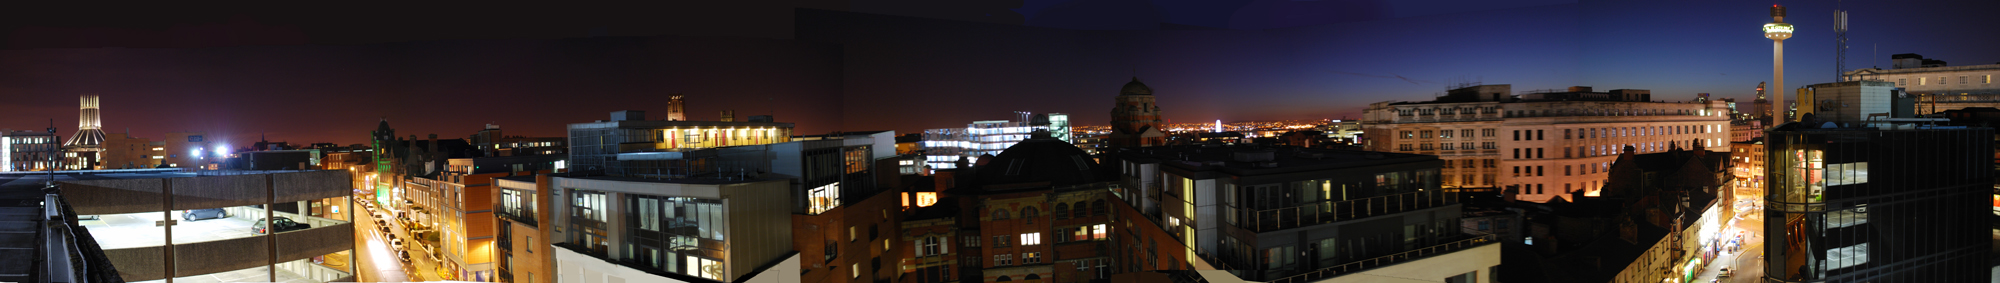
{"x": 396, "y": 243}
{"x": 1725, "y": 273}
{"x": 201, "y": 214}
{"x": 282, "y": 224}
{"x": 403, "y": 255}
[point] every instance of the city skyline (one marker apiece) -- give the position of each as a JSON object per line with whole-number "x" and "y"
{"x": 901, "y": 67}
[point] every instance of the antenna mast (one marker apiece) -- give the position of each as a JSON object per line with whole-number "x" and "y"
{"x": 1840, "y": 42}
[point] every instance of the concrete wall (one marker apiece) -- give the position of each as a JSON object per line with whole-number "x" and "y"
{"x": 581, "y": 268}
{"x": 115, "y": 196}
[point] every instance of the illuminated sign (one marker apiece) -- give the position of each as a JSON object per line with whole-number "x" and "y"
{"x": 1777, "y": 28}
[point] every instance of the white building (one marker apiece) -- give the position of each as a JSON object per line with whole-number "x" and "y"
{"x": 1937, "y": 87}
{"x": 1540, "y": 144}
{"x": 943, "y": 147}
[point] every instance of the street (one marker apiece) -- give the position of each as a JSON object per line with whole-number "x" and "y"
{"x": 382, "y": 264}
{"x": 1744, "y": 263}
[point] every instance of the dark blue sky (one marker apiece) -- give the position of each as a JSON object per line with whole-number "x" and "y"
{"x": 312, "y": 75}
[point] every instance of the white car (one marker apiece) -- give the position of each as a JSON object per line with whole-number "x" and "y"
{"x": 396, "y": 242}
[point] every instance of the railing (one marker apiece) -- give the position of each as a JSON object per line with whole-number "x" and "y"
{"x": 1335, "y": 211}
{"x": 1371, "y": 263}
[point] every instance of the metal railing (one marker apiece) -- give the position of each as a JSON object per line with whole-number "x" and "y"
{"x": 1420, "y": 253}
{"x": 1335, "y": 211}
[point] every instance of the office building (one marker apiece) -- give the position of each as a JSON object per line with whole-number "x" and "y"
{"x": 286, "y": 226}
{"x": 1541, "y": 144}
{"x": 1135, "y": 118}
{"x": 1291, "y": 214}
{"x": 1936, "y": 86}
{"x": 28, "y": 150}
{"x": 635, "y": 229}
{"x": 1873, "y": 198}
{"x": 943, "y": 148}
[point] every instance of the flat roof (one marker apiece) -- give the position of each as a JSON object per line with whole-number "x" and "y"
{"x": 1287, "y": 158}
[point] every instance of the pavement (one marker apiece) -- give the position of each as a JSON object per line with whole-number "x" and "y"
{"x": 117, "y": 231}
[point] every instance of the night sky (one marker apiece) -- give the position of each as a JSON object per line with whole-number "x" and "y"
{"x": 327, "y": 74}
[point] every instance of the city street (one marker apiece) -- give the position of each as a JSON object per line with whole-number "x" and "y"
{"x": 1744, "y": 263}
{"x": 378, "y": 259}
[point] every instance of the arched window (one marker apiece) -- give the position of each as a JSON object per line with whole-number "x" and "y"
{"x": 1080, "y": 210}
{"x": 1028, "y": 212}
{"x": 1032, "y": 276}
{"x": 1097, "y": 207}
{"x": 1003, "y": 278}
{"x": 999, "y": 213}
{"x": 1061, "y": 211}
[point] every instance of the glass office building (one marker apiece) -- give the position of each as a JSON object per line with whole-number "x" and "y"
{"x": 1867, "y": 204}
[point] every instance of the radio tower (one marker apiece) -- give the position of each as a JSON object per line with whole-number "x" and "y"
{"x": 1778, "y": 31}
{"x": 1840, "y": 40}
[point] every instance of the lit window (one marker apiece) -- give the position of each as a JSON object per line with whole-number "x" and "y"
{"x": 1030, "y": 239}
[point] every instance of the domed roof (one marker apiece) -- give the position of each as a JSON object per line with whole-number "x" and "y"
{"x": 1135, "y": 88}
{"x": 1040, "y": 159}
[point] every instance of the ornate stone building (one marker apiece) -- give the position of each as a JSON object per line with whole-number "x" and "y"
{"x": 1135, "y": 120}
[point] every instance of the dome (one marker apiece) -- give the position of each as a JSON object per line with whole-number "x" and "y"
{"x": 1040, "y": 159}
{"x": 1135, "y": 88}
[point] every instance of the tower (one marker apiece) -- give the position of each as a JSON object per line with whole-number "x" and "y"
{"x": 1778, "y": 31}
{"x": 89, "y": 126}
{"x": 674, "y": 110}
{"x": 1135, "y": 119}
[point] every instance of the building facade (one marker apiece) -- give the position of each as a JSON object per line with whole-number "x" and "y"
{"x": 596, "y": 146}
{"x": 1936, "y": 86}
{"x": 1135, "y": 118}
{"x": 457, "y": 204}
{"x": 1867, "y": 198}
{"x": 1542, "y": 144}
{"x": 28, "y": 150}
{"x": 943, "y": 148}
{"x": 1292, "y": 214}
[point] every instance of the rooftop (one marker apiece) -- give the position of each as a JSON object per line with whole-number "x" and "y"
{"x": 1253, "y": 160}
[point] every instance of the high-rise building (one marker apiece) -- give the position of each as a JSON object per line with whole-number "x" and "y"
{"x": 1541, "y": 144}
{"x": 1870, "y": 198}
{"x": 1135, "y": 118}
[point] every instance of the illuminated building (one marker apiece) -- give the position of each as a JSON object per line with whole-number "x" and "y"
{"x": 1682, "y": 191}
{"x": 1135, "y": 119}
{"x": 27, "y": 150}
{"x": 1938, "y": 87}
{"x": 1291, "y": 214}
{"x": 1540, "y": 144}
{"x": 944, "y": 147}
{"x": 676, "y": 108}
{"x": 1854, "y": 196}
{"x": 82, "y": 150}
{"x": 320, "y": 249}
{"x": 597, "y": 145}
{"x": 463, "y": 195}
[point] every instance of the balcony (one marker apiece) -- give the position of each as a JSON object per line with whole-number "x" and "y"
{"x": 1336, "y": 211}
{"x": 1408, "y": 256}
